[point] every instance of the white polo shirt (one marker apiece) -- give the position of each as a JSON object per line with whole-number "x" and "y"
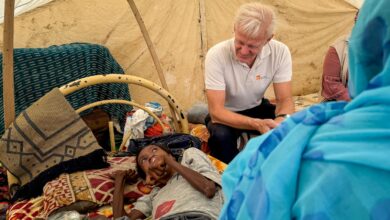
{"x": 244, "y": 86}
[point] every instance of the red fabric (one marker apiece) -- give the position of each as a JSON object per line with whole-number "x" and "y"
{"x": 26, "y": 209}
{"x": 332, "y": 85}
{"x": 156, "y": 129}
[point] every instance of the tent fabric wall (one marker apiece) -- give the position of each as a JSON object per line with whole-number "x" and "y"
{"x": 308, "y": 27}
{"x": 22, "y": 6}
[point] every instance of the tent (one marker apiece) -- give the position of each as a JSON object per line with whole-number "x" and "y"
{"x": 181, "y": 32}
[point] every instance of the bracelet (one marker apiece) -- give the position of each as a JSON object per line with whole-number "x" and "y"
{"x": 282, "y": 115}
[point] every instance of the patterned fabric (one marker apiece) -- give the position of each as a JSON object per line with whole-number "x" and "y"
{"x": 330, "y": 161}
{"x": 26, "y": 209}
{"x": 66, "y": 190}
{"x": 93, "y": 185}
{"x": 203, "y": 134}
{"x": 45, "y": 140}
{"x": 221, "y": 166}
{"x": 38, "y": 70}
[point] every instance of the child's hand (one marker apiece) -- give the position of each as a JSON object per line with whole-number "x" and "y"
{"x": 131, "y": 177}
{"x": 117, "y": 174}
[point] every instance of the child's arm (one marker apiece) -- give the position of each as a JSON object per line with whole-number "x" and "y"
{"x": 135, "y": 214}
{"x": 117, "y": 204}
{"x": 198, "y": 181}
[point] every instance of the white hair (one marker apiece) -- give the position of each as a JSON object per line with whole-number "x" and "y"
{"x": 252, "y": 19}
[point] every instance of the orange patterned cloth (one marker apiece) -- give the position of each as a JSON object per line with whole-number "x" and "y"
{"x": 202, "y": 133}
{"x": 221, "y": 166}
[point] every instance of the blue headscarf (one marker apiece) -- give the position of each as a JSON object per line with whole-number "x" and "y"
{"x": 332, "y": 160}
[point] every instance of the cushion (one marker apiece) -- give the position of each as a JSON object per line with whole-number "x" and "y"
{"x": 45, "y": 140}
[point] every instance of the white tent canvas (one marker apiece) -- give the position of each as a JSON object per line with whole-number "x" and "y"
{"x": 181, "y": 32}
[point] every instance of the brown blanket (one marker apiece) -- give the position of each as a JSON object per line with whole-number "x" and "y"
{"x": 45, "y": 140}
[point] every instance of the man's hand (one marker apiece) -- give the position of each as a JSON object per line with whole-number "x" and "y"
{"x": 279, "y": 120}
{"x": 263, "y": 125}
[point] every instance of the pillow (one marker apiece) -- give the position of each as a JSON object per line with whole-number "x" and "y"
{"x": 45, "y": 140}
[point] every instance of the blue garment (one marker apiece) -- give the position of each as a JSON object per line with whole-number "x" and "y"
{"x": 331, "y": 161}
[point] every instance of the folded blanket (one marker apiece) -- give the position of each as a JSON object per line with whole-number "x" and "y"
{"x": 45, "y": 140}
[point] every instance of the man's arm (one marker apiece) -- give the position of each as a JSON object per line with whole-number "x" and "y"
{"x": 284, "y": 100}
{"x": 219, "y": 114}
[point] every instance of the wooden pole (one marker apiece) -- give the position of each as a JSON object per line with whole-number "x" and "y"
{"x": 8, "y": 63}
{"x": 8, "y": 75}
{"x": 153, "y": 53}
{"x": 203, "y": 37}
{"x": 112, "y": 135}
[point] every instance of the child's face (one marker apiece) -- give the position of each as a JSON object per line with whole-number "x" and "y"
{"x": 151, "y": 159}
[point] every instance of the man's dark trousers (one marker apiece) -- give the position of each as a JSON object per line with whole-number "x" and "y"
{"x": 223, "y": 139}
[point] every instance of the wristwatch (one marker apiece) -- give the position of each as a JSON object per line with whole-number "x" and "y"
{"x": 282, "y": 115}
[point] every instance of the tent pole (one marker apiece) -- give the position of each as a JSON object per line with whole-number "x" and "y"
{"x": 203, "y": 38}
{"x": 8, "y": 63}
{"x": 152, "y": 51}
{"x": 8, "y": 74}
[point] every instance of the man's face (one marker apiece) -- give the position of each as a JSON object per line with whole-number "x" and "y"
{"x": 247, "y": 48}
{"x": 152, "y": 162}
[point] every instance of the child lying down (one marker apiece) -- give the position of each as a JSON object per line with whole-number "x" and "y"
{"x": 188, "y": 189}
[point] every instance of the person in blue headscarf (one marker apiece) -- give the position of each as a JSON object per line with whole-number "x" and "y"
{"x": 331, "y": 161}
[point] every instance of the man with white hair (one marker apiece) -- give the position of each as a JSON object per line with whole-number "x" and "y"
{"x": 238, "y": 72}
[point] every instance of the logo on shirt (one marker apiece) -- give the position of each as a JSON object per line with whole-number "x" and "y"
{"x": 164, "y": 208}
{"x": 258, "y": 77}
